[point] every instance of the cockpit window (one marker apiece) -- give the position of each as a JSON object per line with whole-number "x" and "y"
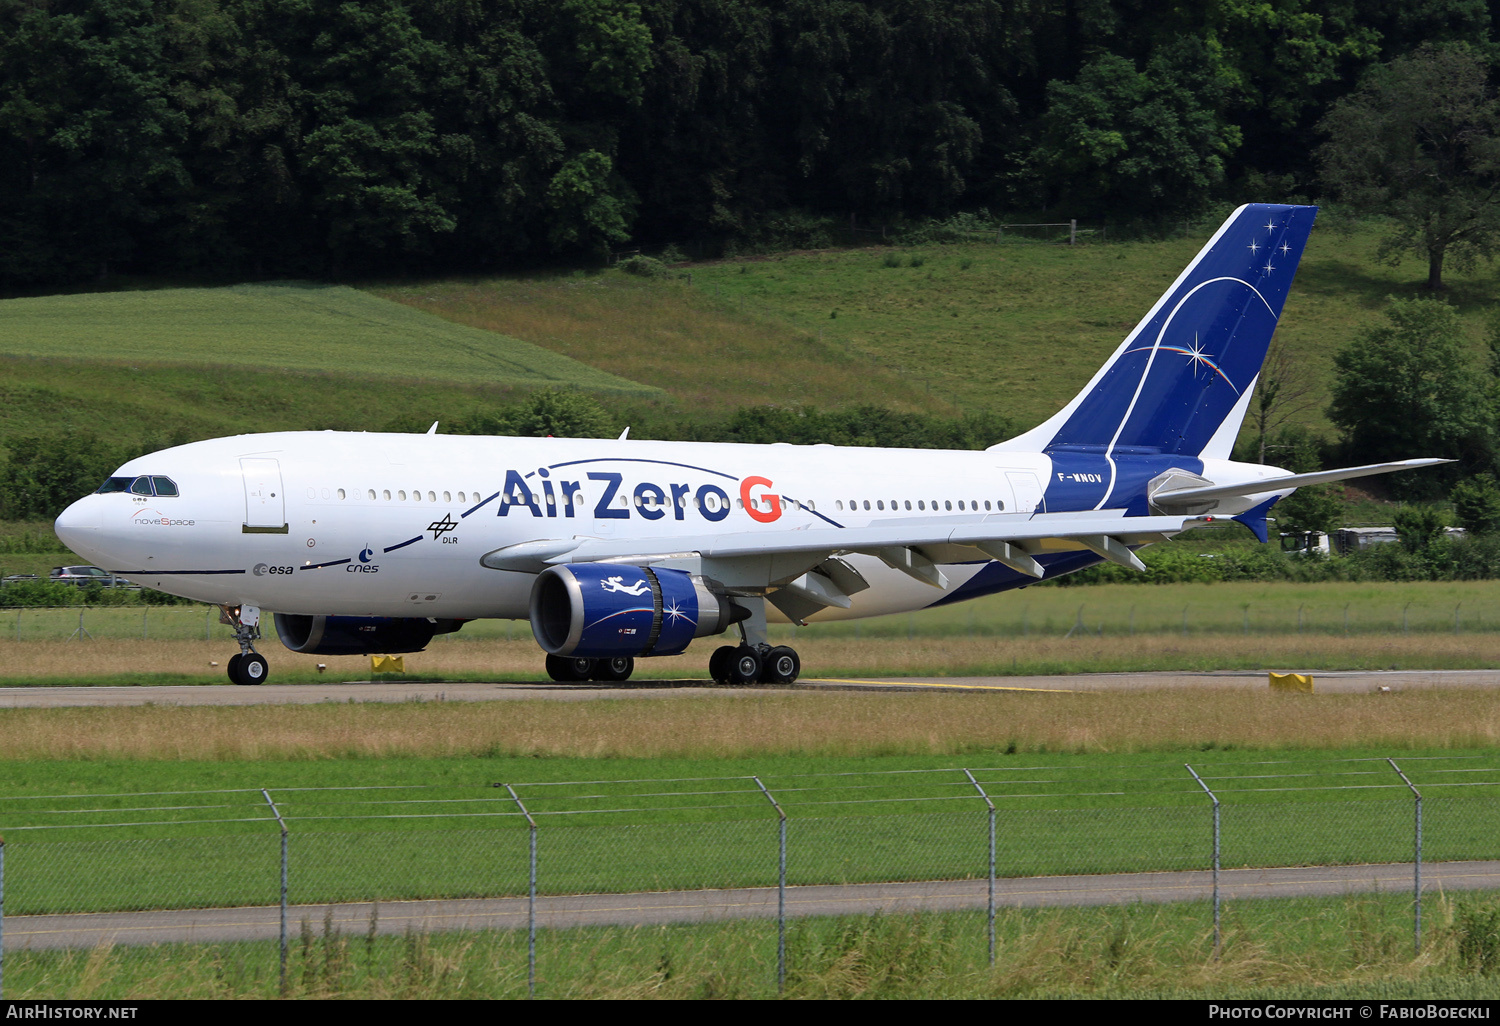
{"x": 140, "y": 486}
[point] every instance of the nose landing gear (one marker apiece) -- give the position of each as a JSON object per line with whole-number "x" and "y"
{"x": 249, "y": 666}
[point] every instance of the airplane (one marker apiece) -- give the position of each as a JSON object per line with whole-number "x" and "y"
{"x": 620, "y": 549}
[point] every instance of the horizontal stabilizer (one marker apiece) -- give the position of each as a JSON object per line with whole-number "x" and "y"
{"x": 1263, "y": 485}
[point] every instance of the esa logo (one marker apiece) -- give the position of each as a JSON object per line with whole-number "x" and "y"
{"x": 261, "y": 569}
{"x": 364, "y": 566}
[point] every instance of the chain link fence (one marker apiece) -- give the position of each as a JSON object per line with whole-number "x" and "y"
{"x": 263, "y": 873}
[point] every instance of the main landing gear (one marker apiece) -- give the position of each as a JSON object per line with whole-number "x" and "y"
{"x": 249, "y": 666}
{"x": 754, "y": 664}
{"x": 755, "y": 660}
{"x": 575, "y": 669}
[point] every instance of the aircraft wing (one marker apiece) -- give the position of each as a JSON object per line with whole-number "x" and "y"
{"x": 909, "y": 546}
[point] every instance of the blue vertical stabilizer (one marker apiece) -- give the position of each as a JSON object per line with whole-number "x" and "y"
{"x": 1180, "y": 383}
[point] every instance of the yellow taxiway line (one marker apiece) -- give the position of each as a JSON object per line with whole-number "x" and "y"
{"x": 933, "y": 684}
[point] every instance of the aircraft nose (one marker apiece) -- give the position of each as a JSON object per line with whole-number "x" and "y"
{"x": 78, "y": 525}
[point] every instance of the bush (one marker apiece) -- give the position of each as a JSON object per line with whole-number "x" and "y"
{"x": 1476, "y": 504}
{"x": 44, "y": 593}
{"x": 644, "y": 267}
{"x": 1419, "y": 527}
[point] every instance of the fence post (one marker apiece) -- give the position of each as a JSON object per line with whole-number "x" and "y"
{"x": 780, "y": 889}
{"x": 282, "y": 823}
{"x": 1216, "y": 852}
{"x": 1073, "y": 232}
{"x": 2, "y": 917}
{"x": 1417, "y": 871}
{"x": 530, "y": 899}
{"x": 991, "y": 904}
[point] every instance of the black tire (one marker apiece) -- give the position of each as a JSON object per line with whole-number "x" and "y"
{"x": 720, "y": 662}
{"x": 254, "y": 669}
{"x": 782, "y": 666}
{"x": 569, "y": 669}
{"x": 745, "y": 667}
{"x": 234, "y": 667}
{"x": 617, "y": 668}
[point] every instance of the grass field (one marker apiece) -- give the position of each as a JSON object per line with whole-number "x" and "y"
{"x": 1300, "y": 777}
{"x": 441, "y": 828}
{"x": 287, "y": 327}
{"x": 135, "y": 662}
{"x": 1016, "y": 329}
{"x": 1332, "y": 949}
{"x": 706, "y": 353}
{"x": 1278, "y": 610}
{"x": 1105, "y": 628}
{"x": 1282, "y": 949}
{"x": 945, "y": 724}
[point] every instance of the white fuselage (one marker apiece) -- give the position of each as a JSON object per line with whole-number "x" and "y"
{"x": 368, "y": 524}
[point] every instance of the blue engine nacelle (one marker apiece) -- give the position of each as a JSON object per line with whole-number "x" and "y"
{"x": 599, "y": 610}
{"x": 359, "y": 635}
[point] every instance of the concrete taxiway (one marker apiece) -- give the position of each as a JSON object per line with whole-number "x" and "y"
{"x": 657, "y": 907}
{"x": 1350, "y": 681}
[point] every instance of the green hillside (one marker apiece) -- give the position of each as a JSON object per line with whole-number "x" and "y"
{"x": 1015, "y": 328}
{"x": 287, "y": 327}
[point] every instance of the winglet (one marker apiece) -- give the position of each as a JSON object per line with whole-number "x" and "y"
{"x": 1255, "y": 519}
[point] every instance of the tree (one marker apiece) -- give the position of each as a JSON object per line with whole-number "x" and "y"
{"x": 1283, "y": 391}
{"x": 1310, "y": 509}
{"x": 558, "y": 412}
{"x": 1476, "y": 504}
{"x": 1419, "y": 142}
{"x": 1410, "y": 389}
{"x": 46, "y": 474}
{"x": 1122, "y": 139}
{"x": 1419, "y": 527}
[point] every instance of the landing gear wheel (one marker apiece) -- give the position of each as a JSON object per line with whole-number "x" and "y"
{"x": 745, "y": 666}
{"x": 253, "y": 669}
{"x": 781, "y": 666}
{"x": 234, "y": 667}
{"x": 720, "y": 662}
{"x": 613, "y": 669}
{"x": 569, "y": 669}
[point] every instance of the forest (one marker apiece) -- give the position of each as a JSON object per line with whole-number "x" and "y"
{"x": 225, "y": 139}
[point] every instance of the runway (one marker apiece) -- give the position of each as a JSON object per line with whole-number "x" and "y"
{"x": 46, "y": 932}
{"x": 1325, "y": 682}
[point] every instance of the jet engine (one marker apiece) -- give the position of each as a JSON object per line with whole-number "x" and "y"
{"x": 601, "y": 610}
{"x": 359, "y": 635}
